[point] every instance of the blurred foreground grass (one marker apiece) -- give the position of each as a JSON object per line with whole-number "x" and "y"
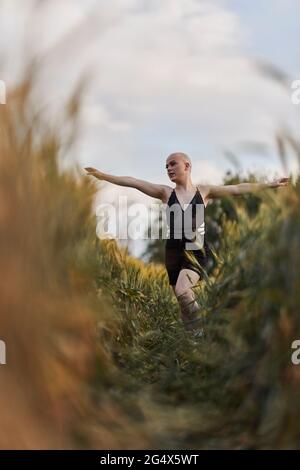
{"x": 96, "y": 353}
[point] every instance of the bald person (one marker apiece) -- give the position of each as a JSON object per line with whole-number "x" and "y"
{"x": 185, "y": 257}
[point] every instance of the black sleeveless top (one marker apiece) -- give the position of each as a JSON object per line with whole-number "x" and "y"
{"x": 186, "y": 228}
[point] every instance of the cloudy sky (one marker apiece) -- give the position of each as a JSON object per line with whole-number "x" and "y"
{"x": 166, "y": 75}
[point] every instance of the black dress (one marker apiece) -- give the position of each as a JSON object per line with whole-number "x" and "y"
{"x": 186, "y": 233}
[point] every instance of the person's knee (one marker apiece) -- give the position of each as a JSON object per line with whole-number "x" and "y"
{"x": 185, "y": 298}
{"x": 183, "y": 292}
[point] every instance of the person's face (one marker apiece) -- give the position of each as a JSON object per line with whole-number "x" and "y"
{"x": 177, "y": 168}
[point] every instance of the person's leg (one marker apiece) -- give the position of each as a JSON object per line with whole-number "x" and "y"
{"x": 185, "y": 295}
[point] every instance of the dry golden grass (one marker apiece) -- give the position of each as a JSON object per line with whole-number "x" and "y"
{"x": 48, "y": 299}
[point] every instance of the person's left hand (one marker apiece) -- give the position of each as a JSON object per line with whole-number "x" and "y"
{"x": 280, "y": 182}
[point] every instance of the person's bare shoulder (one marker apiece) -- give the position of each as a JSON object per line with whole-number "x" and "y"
{"x": 204, "y": 190}
{"x": 167, "y": 190}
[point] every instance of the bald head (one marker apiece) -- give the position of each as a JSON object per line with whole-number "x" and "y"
{"x": 181, "y": 156}
{"x": 179, "y": 166}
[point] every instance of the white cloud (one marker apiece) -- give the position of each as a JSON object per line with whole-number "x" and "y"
{"x": 206, "y": 171}
{"x": 168, "y": 75}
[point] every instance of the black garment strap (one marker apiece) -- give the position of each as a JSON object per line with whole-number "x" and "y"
{"x": 200, "y": 194}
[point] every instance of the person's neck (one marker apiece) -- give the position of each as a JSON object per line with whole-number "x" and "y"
{"x": 187, "y": 186}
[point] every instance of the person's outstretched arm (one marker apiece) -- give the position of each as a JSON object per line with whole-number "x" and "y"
{"x": 151, "y": 189}
{"x": 242, "y": 188}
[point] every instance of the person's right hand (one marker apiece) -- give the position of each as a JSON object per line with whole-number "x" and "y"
{"x": 93, "y": 172}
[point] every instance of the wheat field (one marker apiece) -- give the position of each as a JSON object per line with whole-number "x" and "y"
{"x": 96, "y": 354}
